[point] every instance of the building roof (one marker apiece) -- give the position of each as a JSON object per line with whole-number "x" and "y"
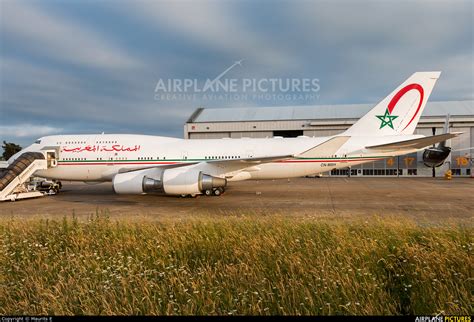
{"x": 314, "y": 112}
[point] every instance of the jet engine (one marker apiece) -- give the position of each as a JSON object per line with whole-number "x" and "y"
{"x": 176, "y": 181}
{"x": 435, "y": 156}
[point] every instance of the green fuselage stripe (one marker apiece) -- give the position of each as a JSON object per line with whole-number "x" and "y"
{"x": 223, "y": 159}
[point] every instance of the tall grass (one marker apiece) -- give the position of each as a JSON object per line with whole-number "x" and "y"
{"x": 234, "y": 265}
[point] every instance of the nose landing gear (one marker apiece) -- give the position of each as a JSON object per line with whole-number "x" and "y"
{"x": 60, "y": 185}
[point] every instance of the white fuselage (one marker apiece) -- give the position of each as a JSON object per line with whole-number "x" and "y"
{"x": 101, "y": 157}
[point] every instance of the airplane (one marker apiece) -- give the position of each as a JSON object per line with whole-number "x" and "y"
{"x": 141, "y": 164}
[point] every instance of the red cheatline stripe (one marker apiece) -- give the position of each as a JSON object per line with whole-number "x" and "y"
{"x": 114, "y": 163}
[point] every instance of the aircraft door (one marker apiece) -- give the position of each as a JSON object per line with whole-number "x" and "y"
{"x": 51, "y": 159}
{"x": 51, "y": 154}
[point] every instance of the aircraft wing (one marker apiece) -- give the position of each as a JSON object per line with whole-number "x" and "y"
{"x": 414, "y": 143}
{"x": 251, "y": 161}
{"x": 226, "y": 167}
{"x": 324, "y": 149}
{"x": 233, "y": 163}
{"x": 161, "y": 166}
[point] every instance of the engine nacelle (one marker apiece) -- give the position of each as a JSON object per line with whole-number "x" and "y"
{"x": 138, "y": 182}
{"x": 434, "y": 157}
{"x": 177, "y": 181}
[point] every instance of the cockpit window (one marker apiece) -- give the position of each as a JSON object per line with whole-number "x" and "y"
{"x": 38, "y": 141}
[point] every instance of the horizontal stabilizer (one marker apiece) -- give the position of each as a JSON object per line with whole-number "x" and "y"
{"x": 466, "y": 149}
{"x": 414, "y": 143}
{"x": 325, "y": 149}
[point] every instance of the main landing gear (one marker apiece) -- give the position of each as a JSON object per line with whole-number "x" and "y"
{"x": 209, "y": 192}
{"x": 214, "y": 192}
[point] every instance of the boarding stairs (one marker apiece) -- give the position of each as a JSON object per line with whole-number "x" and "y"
{"x": 14, "y": 178}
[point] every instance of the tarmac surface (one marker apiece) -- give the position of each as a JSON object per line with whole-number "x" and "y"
{"x": 432, "y": 199}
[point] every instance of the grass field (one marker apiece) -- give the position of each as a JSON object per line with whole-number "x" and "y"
{"x": 235, "y": 265}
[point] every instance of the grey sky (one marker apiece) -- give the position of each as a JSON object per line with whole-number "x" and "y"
{"x": 92, "y": 66}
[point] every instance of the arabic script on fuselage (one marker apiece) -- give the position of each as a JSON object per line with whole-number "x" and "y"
{"x": 102, "y": 148}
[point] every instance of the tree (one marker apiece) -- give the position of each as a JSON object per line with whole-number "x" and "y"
{"x": 9, "y": 149}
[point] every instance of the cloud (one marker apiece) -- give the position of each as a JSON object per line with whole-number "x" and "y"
{"x": 27, "y": 130}
{"x": 212, "y": 25}
{"x": 35, "y": 93}
{"x": 60, "y": 38}
{"x": 382, "y": 24}
{"x": 371, "y": 48}
{"x": 94, "y": 73}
